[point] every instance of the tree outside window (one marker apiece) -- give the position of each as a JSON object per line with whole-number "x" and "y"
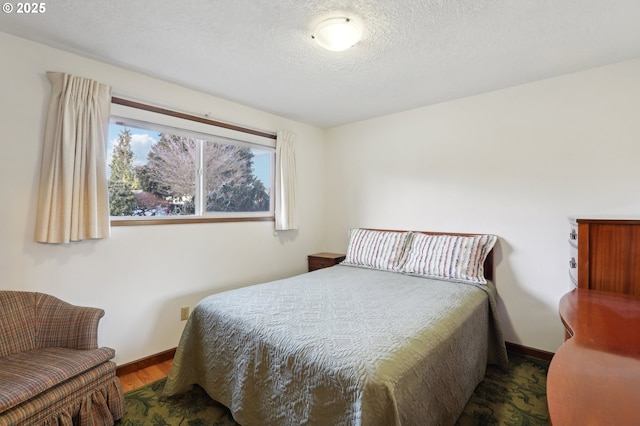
{"x": 157, "y": 174}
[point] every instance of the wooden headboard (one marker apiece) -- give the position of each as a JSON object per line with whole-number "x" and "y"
{"x": 488, "y": 262}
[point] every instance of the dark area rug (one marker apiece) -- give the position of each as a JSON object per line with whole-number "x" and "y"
{"x": 514, "y": 396}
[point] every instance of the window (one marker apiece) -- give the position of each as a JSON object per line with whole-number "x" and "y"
{"x": 158, "y": 172}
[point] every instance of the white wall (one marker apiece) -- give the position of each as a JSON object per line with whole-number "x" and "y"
{"x": 142, "y": 275}
{"x": 515, "y": 163}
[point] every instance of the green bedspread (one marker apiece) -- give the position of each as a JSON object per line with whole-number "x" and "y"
{"x": 341, "y": 346}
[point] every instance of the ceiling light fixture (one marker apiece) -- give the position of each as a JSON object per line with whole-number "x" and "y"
{"x": 337, "y": 34}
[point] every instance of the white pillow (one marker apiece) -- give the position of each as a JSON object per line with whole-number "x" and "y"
{"x": 376, "y": 249}
{"x": 449, "y": 257}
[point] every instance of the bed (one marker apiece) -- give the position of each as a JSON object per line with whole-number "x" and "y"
{"x": 400, "y": 333}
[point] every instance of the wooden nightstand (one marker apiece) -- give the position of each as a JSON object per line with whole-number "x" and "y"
{"x": 324, "y": 260}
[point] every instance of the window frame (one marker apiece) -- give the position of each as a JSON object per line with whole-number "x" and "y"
{"x": 142, "y": 115}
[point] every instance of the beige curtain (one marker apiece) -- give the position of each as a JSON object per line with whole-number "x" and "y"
{"x": 73, "y": 201}
{"x": 285, "y": 208}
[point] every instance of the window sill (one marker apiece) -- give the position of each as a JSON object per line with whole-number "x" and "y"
{"x": 185, "y": 220}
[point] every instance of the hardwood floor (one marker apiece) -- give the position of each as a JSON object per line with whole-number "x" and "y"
{"x": 146, "y": 375}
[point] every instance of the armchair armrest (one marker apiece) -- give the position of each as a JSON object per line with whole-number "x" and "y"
{"x": 61, "y": 324}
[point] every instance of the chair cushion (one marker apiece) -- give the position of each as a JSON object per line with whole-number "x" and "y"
{"x": 26, "y": 374}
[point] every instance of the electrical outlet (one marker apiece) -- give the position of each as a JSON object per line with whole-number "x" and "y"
{"x": 184, "y": 313}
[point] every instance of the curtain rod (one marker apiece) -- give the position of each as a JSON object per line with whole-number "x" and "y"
{"x": 138, "y": 105}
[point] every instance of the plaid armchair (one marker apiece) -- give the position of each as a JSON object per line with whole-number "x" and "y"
{"x": 52, "y": 371}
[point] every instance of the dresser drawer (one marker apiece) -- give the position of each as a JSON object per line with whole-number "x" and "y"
{"x": 573, "y": 252}
{"x": 573, "y": 265}
{"x": 573, "y": 233}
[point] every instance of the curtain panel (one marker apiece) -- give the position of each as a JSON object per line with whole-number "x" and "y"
{"x": 73, "y": 199}
{"x": 285, "y": 195}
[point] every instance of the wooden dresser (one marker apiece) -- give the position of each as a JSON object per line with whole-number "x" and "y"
{"x": 594, "y": 378}
{"x": 605, "y": 254}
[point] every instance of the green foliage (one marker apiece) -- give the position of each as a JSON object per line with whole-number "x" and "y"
{"x": 123, "y": 180}
{"x": 188, "y": 208}
{"x": 150, "y": 184}
{"x": 122, "y": 201}
{"x": 122, "y": 163}
{"x": 247, "y": 196}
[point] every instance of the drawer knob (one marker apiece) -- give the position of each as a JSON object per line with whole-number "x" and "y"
{"x": 572, "y": 263}
{"x": 573, "y": 235}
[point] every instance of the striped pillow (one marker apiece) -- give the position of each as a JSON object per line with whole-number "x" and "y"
{"x": 376, "y": 249}
{"x": 449, "y": 257}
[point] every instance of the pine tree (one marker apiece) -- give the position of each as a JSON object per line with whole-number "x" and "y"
{"x": 123, "y": 180}
{"x": 122, "y": 163}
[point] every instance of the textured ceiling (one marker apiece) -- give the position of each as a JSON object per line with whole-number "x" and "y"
{"x": 413, "y": 53}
